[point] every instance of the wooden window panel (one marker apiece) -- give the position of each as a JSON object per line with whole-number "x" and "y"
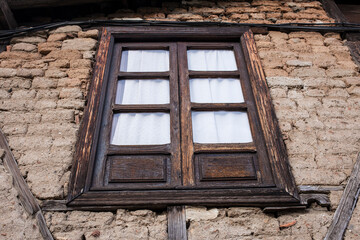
{"x": 260, "y": 174}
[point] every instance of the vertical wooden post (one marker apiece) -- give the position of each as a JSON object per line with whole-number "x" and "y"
{"x": 9, "y": 17}
{"x": 176, "y": 223}
{"x": 346, "y": 206}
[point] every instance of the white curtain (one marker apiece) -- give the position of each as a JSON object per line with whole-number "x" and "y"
{"x": 211, "y": 60}
{"x": 216, "y": 90}
{"x": 221, "y": 127}
{"x": 144, "y": 61}
{"x": 217, "y": 126}
{"x": 149, "y": 91}
{"x": 142, "y": 128}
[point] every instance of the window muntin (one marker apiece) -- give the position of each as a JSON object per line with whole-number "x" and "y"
{"x": 97, "y": 176}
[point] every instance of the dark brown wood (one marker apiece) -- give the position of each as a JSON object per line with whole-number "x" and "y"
{"x": 235, "y": 167}
{"x": 141, "y": 108}
{"x": 87, "y": 130}
{"x": 143, "y": 75}
{"x": 280, "y": 209}
{"x": 187, "y": 146}
{"x": 219, "y": 106}
{"x": 346, "y": 206}
{"x": 176, "y": 223}
{"x": 270, "y": 128}
{"x": 9, "y": 16}
{"x": 44, "y": 230}
{"x": 320, "y": 198}
{"x": 139, "y": 149}
{"x": 351, "y": 12}
{"x": 264, "y": 183}
{"x": 213, "y": 74}
{"x": 259, "y": 197}
{"x": 138, "y": 168}
{"x": 333, "y": 10}
{"x": 354, "y": 47}
{"x": 224, "y": 147}
{"x": 26, "y": 197}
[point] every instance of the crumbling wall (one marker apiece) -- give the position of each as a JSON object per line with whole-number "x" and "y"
{"x": 314, "y": 85}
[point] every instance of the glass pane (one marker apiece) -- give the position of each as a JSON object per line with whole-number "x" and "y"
{"x": 216, "y": 90}
{"x": 144, "y": 61}
{"x": 151, "y": 91}
{"x": 221, "y": 127}
{"x": 140, "y": 129}
{"x": 211, "y": 60}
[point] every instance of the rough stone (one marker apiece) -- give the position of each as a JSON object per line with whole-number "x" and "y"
{"x": 26, "y": 47}
{"x": 82, "y": 44}
{"x": 68, "y": 29}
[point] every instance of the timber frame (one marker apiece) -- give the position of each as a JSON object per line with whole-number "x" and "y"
{"x": 282, "y": 193}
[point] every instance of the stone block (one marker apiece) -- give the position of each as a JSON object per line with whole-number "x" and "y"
{"x": 64, "y": 54}
{"x": 57, "y": 37}
{"x": 26, "y": 47}
{"x": 55, "y": 73}
{"x": 68, "y": 29}
{"x": 7, "y": 72}
{"x": 200, "y": 214}
{"x": 47, "y": 47}
{"x": 81, "y": 44}
{"x": 93, "y": 33}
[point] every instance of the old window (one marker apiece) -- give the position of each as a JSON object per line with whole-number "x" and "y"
{"x": 179, "y": 116}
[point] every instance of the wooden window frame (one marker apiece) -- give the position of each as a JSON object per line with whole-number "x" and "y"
{"x": 82, "y": 193}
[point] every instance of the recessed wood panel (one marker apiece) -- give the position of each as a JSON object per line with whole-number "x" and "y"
{"x": 226, "y": 167}
{"x": 138, "y": 168}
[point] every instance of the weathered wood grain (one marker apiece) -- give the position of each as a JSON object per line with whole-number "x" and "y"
{"x": 9, "y": 16}
{"x": 274, "y": 144}
{"x": 44, "y": 230}
{"x": 87, "y": 129}
{"x": 346, "y": 206}
{"x": 26, "y": 197}
{"x": 176, "y": 223}
{"x": 333, "y": 10}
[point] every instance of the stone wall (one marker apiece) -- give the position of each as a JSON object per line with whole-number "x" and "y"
{"x": 314, "y": 84}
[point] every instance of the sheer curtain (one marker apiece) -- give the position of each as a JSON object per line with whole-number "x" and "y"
{"x": 217, "y": 126}
{"x": 142, "y": 128}
{"x": 216, "y": 90}
{"x": 144, "y": 61}
{"x": 211, "y": 60}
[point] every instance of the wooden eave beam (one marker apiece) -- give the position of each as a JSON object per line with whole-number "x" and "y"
{"x": 9, "y": 16}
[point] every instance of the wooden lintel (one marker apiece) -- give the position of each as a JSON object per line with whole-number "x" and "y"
{"x": 176, "y": 223}
{"x": 346, "y": 206}
{"x": 9, "y": 16}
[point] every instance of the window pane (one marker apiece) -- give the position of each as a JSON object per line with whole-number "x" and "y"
{"x": 221, "y": 127}
{"x": 211, "y": 60}
{"x": 140, "y": 129}
{"x": 216, "y": 90}
{"x": 151, "y": 91}
{"x": 144, "y": 61}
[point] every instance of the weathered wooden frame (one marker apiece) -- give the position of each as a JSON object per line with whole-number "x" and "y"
{"x": 284, "y": 192}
